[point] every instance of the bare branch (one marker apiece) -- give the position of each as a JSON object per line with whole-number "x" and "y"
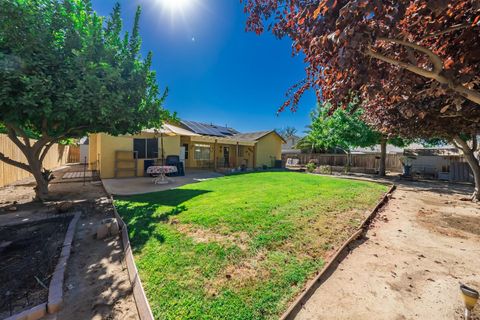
{"x": 14, "y": 163}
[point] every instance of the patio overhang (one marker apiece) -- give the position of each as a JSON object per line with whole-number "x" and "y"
{"x": 171, "y": 130}
{"x": 220, "y": 140}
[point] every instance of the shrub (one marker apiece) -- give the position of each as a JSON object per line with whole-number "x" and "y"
{"x": 325, "y": 169}
{"x": 311, "y": 167}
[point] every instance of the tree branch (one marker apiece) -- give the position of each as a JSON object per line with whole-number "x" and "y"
{"x": 14, "y": 163}
{"x": 13, "y": 136}
{"x": 469, "y": 94}
{"x": 448, "y": 30}
{"x": 461, "y": 144}
{"x": 434, "y": 58}
{"x": 45, "y": 150}
{"x": 38, "y": 146}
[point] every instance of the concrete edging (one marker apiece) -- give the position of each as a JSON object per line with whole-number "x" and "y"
{"x": 34, "y": 313}
{"x": 55, "y": 289}
{"x": 141, "y": 301}
{"x": 326, "y": 271}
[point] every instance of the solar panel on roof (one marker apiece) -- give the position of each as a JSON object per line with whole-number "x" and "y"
{"x": 206, "y": 129}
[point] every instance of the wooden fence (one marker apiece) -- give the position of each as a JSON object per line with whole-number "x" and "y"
{"x": 73, "y": 154}
{"x": 56, "y": 157}
{"x": 368, "y": 162}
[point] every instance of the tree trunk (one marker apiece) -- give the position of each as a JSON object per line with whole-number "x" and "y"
{"x": 383, "y": 157}
{"x": 473, "y": 162}
{"x": 34, "y": 152}
{"x": 41, "y": 189}
{"x": 475, "y": 166}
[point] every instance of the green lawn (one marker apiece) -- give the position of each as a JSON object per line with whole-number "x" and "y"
{"x": 241, "y": 246}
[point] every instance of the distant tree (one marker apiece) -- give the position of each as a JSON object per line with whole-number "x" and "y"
{"x": 345, "y": 129}
{"x": 287, "y": 132}
{"x": 66, "y": 72}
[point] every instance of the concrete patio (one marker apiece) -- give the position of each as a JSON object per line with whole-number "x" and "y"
{"x": 139, "y": 185}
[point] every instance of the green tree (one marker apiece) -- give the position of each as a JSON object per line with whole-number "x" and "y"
{"x": 66, "y": 72}
{"x": 345, "y": 129}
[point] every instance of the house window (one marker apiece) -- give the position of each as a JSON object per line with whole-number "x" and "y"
{"x": 241, "y": 151}
{"x": 186, "y": 151}
{"x": 146, "y": 148}
{"x": 202, "y": 152}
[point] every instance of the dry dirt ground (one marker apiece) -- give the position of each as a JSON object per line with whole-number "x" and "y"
{"x": 96, "y": 284}
{"x": 421, "y": 246}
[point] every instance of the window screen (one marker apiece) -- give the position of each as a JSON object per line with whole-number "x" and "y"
{"x": 139, "y": 147}
{"x": 202, "y": 152}
{"x": 241, "y": 151}
{"x": 152, "y": 148}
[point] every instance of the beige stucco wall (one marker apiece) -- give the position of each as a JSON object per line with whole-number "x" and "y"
{"x": 268, "y": 148}
{"x": 92, "y": 151}
{"x": 107, "y": 145}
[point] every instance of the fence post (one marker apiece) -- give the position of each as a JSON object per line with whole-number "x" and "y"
{"x": 84, "y": 169}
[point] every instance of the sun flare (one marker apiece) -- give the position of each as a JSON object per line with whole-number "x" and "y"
{"x": 176, "y": 5}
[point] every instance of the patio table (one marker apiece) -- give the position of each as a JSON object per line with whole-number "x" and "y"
{"x": 160, "y": 172}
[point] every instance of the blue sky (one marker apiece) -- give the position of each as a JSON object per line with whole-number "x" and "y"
{"x": 215, "y": 71}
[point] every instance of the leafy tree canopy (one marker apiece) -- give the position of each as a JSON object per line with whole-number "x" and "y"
{"x": 344, "y": 128}
{"x": 66, "y": 72}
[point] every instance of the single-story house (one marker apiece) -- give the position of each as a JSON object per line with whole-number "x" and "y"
{"x": 198, "y": 145}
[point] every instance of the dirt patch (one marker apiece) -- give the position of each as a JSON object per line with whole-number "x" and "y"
{"x": 239, "y": 275}
{"x": 96, "y": 280}
{"x": 200, "y": 235}
{"x": 409, "y": 266}
{"x": 449, "y": 224}
{"x": 29, "y": 253}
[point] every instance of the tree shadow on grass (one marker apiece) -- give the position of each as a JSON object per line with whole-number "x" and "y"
{"x": 141, "y": 215}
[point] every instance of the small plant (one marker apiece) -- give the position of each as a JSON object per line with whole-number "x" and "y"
{"x": 324, "y": 170}
{"x": 311, "y": 166}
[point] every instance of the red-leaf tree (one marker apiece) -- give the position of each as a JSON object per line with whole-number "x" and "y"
{"x": 352, "y": 44}
{"x": 412, "y": 62}
{"x": 402, "y": 119}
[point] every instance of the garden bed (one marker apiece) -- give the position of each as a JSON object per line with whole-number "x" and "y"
{"x": 242, "y": 246}
{"x": 29, "y": 253}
